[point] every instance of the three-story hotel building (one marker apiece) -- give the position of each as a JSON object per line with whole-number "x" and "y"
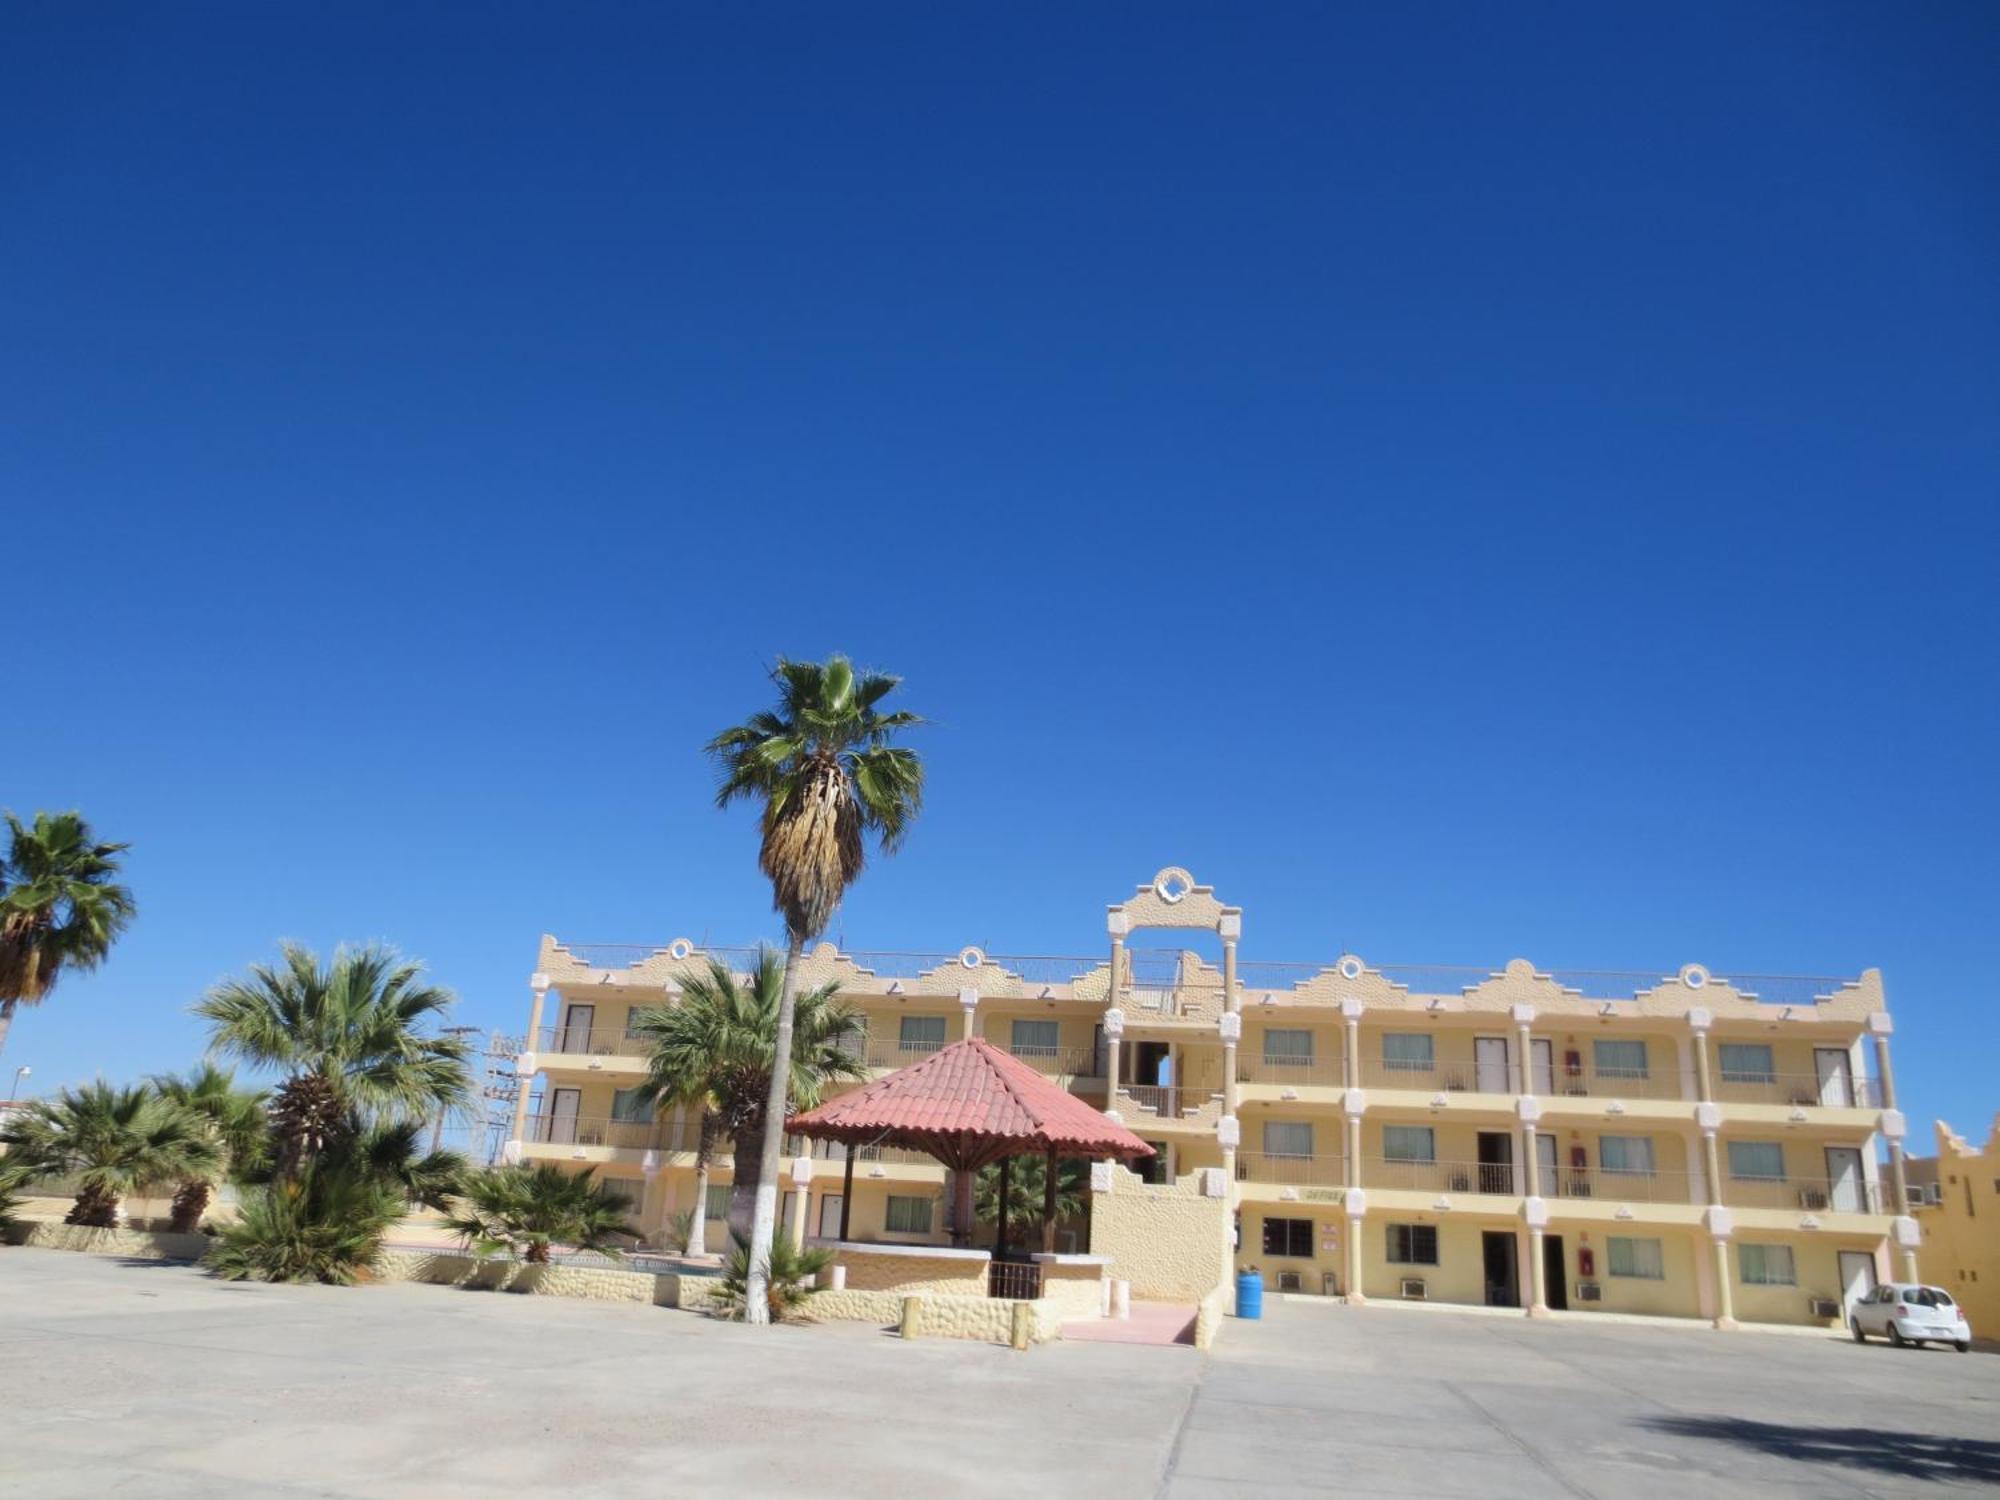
{"x": 1685, "y": 1144}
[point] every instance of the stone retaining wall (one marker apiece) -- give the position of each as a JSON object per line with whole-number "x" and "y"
{"x": 140, "y": 1244}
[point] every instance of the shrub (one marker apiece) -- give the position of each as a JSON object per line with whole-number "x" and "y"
{"x": 325, "y": 1226}
{"x": 527, "y": 1209}
{"x": 790, "y": 1275}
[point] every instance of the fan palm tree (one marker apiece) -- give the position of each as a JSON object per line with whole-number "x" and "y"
{"x": 60, "y": 907}
{"x": 718, "y": 1047}
{"x": 528, "y": 1208}
{"x": 113, "y": 1142}
{"x": 349, "y": 1038}
{"x": 1027, "y": 1186}
{"x": 239, "y": 1122}
{"x": 823, "y": 768}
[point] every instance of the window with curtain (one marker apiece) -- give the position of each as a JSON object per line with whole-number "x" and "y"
{"x": 1641, "y": 1259}
{"x": 1288, "y": 1049}
{"x": 1618, "y": 1059}
{"x": 1291, "y": 1238}
{"x": 1409, "y": 1143}
{"x": 717, "y": 1206}
{"x": 1767, "y": 1265}
{"x": 1625, "y": 1153}
{"x": 1757, "y": 1159}
{"x": 920, "y": 1033}
{"x": 1413, "y": 1244}
{"x": 1746, "y": 1062}
{"x": 908, "y": 1215}
{"x": 629, "y": 1109}
{"x": 1407, "y": 1052}
{"x": 1287, "y": 1138}
{"x": 1035, "y": 1038}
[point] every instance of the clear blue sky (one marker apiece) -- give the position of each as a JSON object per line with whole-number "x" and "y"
{"x": 1469, "y": 482}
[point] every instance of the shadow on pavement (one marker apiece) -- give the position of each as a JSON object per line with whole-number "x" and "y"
{"x": 1912, "y": 1453}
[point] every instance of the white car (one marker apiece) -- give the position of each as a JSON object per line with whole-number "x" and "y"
{"x": 1905, "y": 1313}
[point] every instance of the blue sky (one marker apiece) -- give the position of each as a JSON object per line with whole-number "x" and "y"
{"x": 1469, "y": 483}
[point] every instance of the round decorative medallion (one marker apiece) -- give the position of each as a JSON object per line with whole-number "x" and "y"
{"x": 680, "y": 948}
{"x": 1350, "y": 967}
{"x": 971, "y": 958}
{"x": 1694, "y": 976}
{"x": 1172, "y": 883}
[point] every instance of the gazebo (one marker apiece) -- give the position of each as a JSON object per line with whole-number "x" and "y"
{"x": 968, "y": 1105}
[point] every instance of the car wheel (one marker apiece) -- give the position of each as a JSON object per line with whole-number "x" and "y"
{"x": 1963, "y": 1346}
{"x": 1896, "y": 1337}
{"x": 1859, "y": 1336}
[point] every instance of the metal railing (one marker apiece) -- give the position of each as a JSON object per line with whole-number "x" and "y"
{"x": 893, "y": 1055}
{"x": 1168, "y": 1102}
{"x": 1061, "y": 1062}
{"x": 1806, "y": 1194}
{"x": 1805, "y": 1089}
{"x": 1617, "y": 1083}
{"x": 573, "y": 1130}
{"x": 1301, "y": 1072}
{"x": 836, "y": 1151}
{"x": 1442, "y": 1076}
{"x": 1616, "y": 1187}
{"x": 1443, "y": 1176}
{"x": 1287, "y": 1170}
{"x": 1015, "y": 1280}
{"x": 585, "y": 1041}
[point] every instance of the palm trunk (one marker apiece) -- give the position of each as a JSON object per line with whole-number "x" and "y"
{"x": 697, "y": 1238}
{"x": 190, "y": 1203}
{"x": 764, "y": 1218}
{"x": 749, "y": 1148}
{"x": 537, "y": 1253}
{"x": 6, "y": 1020}
{"x": 95, "y": 1208}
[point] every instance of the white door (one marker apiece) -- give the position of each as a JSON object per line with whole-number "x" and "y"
{"x": 1489, "y": 1055}
{"x": 829, "y": 1216}
{"x": 576, "y": 1026}
{"x": 1542, "y": 1065}
{"x": 1836, "y": 1077}
{"x": 1857, "y": 1275}
{"x": 563, "y": 1104}
{"x": 1545, "y": 1167}
{"x": 1844, "y": 1180}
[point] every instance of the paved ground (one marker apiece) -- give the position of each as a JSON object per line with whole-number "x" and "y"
{"x": 135, "y": 1379}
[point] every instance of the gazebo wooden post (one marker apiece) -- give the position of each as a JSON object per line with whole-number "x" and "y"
{"x": 1006, "y": 1186}
{"x": 1049, "y": 1203}
{"x": 961, "y": 1218}
{"x": 847, "y": 1190}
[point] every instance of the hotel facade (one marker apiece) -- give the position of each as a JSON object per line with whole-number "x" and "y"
{"x": 1682, "y": 1144}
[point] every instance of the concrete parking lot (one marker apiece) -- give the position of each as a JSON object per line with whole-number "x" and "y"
{"x": 151, "y": 1380}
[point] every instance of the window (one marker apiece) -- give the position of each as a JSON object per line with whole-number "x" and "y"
{"x": 1409, "y": 1143}
{"x": 1767, "y": 1265}
{"x": 1626, "y": 1153}
{"x": 1036, "y": 1038}
{"x": 628, "y": 1107}
{"x": 1640, "y": 1259}
{"x": 1413, "y": 1245}
{"x": 1407, "y": 1052}
{"x": 908, "y": 1215}
{"x": 1761, "y": 1160}
{"x": 1288, "y": 1049}
{"x": 1747, "y": 1062}
{"x": 1282, "y": 1138}
{"x": 1618, "y": 1059}
{"x": 1292, "y": 1238}
{"x": 920, "y": 1033}
{"x": 717, "y": 1206}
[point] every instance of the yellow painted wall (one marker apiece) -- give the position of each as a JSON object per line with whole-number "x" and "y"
{"x": 1961, "y": 1248}
{"x": 1816, "y": 1264}
{"x": 1170, "y": 1241}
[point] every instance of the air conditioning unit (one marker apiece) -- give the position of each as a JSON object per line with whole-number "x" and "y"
{"x": 1915, "y": 1196}
{"x": 1589, "y": 1291}
{"x": 1825, "y": 1307}
{"x": 1329, "y": 1283}
{"x": 1414, "y": 1289}
{"x": 1288, "y": 1281}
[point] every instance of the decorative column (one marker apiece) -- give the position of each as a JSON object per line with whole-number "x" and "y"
{"x": 1355, "y": 1099}
{"x": 1232, "y": 1007}
{"x": 1894, "y": 1128}
{"x": 1699, "y": 1020}
{"x": 1524, "y": 1020}
{"x": 1114, "y": 1028}
{"x": 1534, "y": 1208}
{"x": 802, "y": 1176}
{"x": 524, "y": 1064}
{"x": 1228, "y": 1131}
{"x": 1357, "y": 1212}
{"x": 1114, "y": 1007}
{"x": 1719, "y": 1222}
{"x": 1720, "y": 1226}
{"x": 968, "y": 1004}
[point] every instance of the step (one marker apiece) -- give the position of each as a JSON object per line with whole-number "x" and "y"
{"x": 1161, "y": 1323}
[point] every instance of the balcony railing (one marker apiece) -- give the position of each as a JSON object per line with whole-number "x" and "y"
{"x": 570, "y": 1130}
{"x": 1291, "y": 1171}
{"x": 1617, "y": 1083}
{"x": 1807, "y": 1194}
{"x": 1433, "y": 1078}
{"x": 1169, "y": 1103}
{"x": 1061, "y": 1062}
{"x": 1443, "y": 1176}
{"x": 1299, "y": 1072}
{"x": 836, "y": 1151}
{"x": 1616, "y": 1187}
{"x": 586, "y": 1041}
{"x": 893, "y": 1055}
{"x": 1806, "y": 1089}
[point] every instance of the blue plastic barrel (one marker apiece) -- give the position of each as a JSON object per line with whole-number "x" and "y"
{"x": 1249, "y": 1295}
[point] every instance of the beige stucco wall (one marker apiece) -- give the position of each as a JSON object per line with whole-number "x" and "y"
{"x": 913, "y": 1275}
{"x": 138, "y": 1244}
{"x": 1170, "y": 1241}
{"x": 1961, "y": 1244}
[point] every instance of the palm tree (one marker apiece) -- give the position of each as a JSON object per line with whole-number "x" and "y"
{"x": 527, "y": 1209}
{"x": 717, "y": 1048}
{"x": 1027, "y": 1183}
{"x": 791, "y": 1278}
{"x": 348, "y": 1037}
{"x": 113, "y": 1142}
{"x": 59, "y": 907}
{"x": 239, "y": 1122}
{"x": 827, "y": 775}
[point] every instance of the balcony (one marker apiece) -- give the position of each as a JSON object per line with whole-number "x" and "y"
{"x": 1807, "y": 1090}
{"x": 836, "y": 1151}
{"x": 618, "y": 1135}
{"x": 1061, "y": 1062}
{"x": 1436, "y": 1077}
{"x": 889, "y": 1056}
{"x": 1614, "y": 1083}
{"x": 583, "y": 1041}
{"x": 1498, "y": 1179}
{"x": 1617, "y": 1187}
{"x": 1285, "y": 1170}
{"x": 1292, "y": 1072}
{"x": 1804, "y": 1194}
{"x": 1202, "y": 1107}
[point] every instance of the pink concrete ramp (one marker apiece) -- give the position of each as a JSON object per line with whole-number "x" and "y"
{"x": 1164, "y": 1323}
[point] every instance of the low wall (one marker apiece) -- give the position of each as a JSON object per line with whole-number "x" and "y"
{"x": 139, "y": 1244}
{"x": 1073, "y": 1285}
{"x": 590, "y": 1283}
{"x": 1209, "y": 1313}
{"x": 911, "y": 1270}
{"x": 991, "y": 1320}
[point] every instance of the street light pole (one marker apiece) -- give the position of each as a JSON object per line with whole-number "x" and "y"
{"x": 14, "y": 1090}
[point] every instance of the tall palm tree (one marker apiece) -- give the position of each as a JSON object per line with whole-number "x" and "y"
{"x": 718, "y": 1046}
{"x": 236, "y": 1117}
{"x": 113, "y": 1142}
{"x": 822, "y": 765}
{"x": 60, "y": 907}
{"x": 349, "y": 1037}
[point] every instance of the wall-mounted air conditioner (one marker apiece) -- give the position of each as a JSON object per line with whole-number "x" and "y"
{"x": 1915, "y": 1196}
{"x": 1414, "y": 1289}
{"x": 1589, "y": 1291}
{"x": 1288, "y": 1281}
{"x": 1825, "y": 1307}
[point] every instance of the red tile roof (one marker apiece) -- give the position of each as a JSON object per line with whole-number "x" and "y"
{"x": 968, "y": 1104}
